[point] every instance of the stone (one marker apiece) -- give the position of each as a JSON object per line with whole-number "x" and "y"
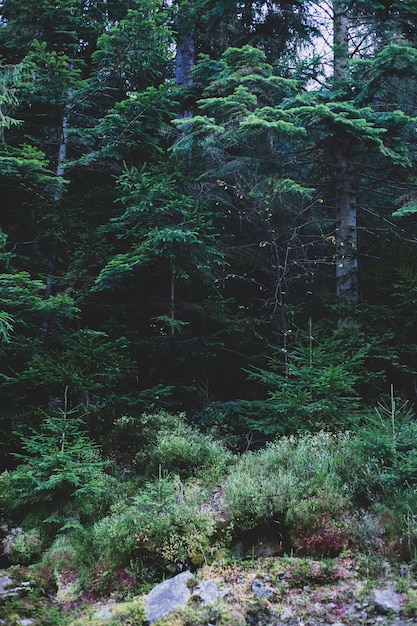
{"x": 387, "y": 600}
{"x": 8, "y": 589}
{"x": 167, "y": 596}
{"x": 207, "y": 591}
{"x": 286, "y": 615}
{"x": 260, "y": 590}
{"x": 5, "y": 584}
{"x": 104, "y": 612}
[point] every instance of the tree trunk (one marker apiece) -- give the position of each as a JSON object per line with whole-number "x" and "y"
{"x": 346, "y": 228}
{"x": 172, "y": 303}
{"x": 62, "y": 154}
{"x": 184, "y": 58}
{"x": 62, "y": 158}
{"x": 185, "y": 53}
{"x": 340, "y": 40}
{"x": 346, "y": 231}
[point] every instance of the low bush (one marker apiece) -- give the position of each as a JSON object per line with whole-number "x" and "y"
{"x": 167, "y": 440}
{"x": 159, "y": 531}
{"x": 388, "y": 435}
{"x": 22, "y": 546}
{"x": 186, "y": 451}
{"x": 294, "y": 485}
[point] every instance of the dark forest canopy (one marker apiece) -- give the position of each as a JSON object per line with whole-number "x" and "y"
{"x": 209, "y": 207}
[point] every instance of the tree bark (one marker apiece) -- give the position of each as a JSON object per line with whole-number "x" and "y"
{"x": 185, "y": 53}
{"x": 184, "y": 57}
{"x": 340, "y": 40}
{"x": 346, "y": 229}
{"x": 62, "y": 153}
{"x": 346, "y": 258}
{"x": 172, "y": 303}
{"x": 60, "y": 168}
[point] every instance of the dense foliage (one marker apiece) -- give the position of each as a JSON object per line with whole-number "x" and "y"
{"x": 170, "y": 221}
{"x": 207, "y": 223}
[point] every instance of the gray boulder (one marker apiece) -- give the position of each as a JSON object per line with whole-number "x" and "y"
{"x": 387, "y": 600}
{"x": 208, "y": 592}
{"x": 5, "y": 584}
{"x": 103, "y": 613}
{"x": 260, "y": 590}
{"x": 8, "y": 589}
{"x": 167, "y": 596}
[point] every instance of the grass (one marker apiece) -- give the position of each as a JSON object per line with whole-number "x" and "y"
{"x": 315, "y": 497}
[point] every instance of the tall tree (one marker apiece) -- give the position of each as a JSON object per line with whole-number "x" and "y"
{"x": 352, "y": 121}
{"x": 346, "y": 259}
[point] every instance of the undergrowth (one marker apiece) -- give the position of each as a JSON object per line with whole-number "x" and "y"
{"x": 314, "y": 495}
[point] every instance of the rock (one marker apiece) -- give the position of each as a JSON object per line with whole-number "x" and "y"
{"x": 387, "y": 600}
{"x": 104, "y": 613}
{"x": 260, "y": 590}
{"x": 208, "y": 592}
{"x": 286, "y": 615}
{"x": 5, "y": 584}
{"x": 167, "y": 596}
{"x": 9, "y": 590}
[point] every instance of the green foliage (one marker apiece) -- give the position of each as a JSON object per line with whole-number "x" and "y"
{"x": 185, "y": 451}
{"x": 134, "y": 53}
{"x": 60, "y": 480}
{"x": 410, "y": 208}
{"x": 6, "y": 326}
{"x": 167, "y": 441}
{"x": 389, "y": 435}
{"x": 242, "y": 98}
{"x": 134, "y": 130}
{"x": 361, "y": 123}
{"x": 164, "y": 226}
{"x": 290, "y": 485}
{"x": 310, "y": 387}
{"x": 23, "y": 298}
{"x": 55, "y": 77}
{"x": 88, "y": 364}
{"x": 22, "y": 546}
{"x": 28, "y": 163}
{"x": 37, "y": 608}
{"x": 158, "y": 532}
{"x": 8, "y": 98}
{"x": 392, "y": 64}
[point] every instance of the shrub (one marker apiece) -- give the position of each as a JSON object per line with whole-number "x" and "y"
{"x": 313, "y": 388}
{"x": 166, "y": 440}
{"x": 5, "y": 502}
{"x": 294, "y": 485}
{"x": 186, "y": 452}
{"x": 61, "y": 478}
{"x": 157, "y": 532}
{"x": 389, "y": 436}
{"x": 22, "y": 546}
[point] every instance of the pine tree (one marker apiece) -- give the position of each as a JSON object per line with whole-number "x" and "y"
{"x": 60, "y": 473}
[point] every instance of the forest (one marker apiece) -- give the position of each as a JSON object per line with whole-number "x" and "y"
{"x": 208, "y": 283}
